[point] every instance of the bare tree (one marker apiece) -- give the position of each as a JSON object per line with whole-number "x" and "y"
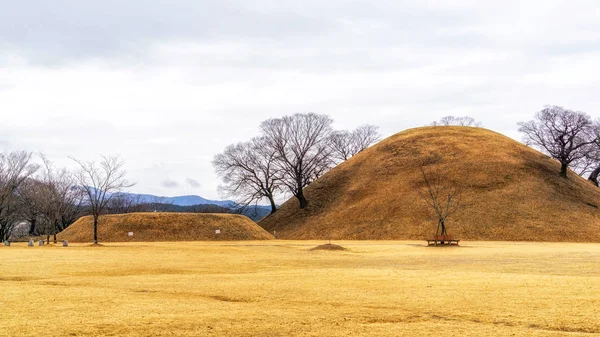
{"x": 593, "y": 177}
{"x": 50, "y": 200}
{"x": 565, "y": 135}
{"x": 249, "y": 173}
{"x": 442, "y": 197}
{"x": 344, "y": 144}
{"x": 585, "y": 166}
{"x": 341, "y": 146}
{"x": 457, "y": 121}
{"x": 592, "y": 161}
{"x": 365, "y": 136}
{"x": 300, "y": 143}
{"x": 15, "y": 168}
{"x": 74, "y": 207}
{"x": 30, "y": 203}
{"x": 61, "y": 198}
{"x": 100, "y": 182}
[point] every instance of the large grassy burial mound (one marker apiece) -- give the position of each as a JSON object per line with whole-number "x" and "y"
{"x": 510, "y": 192}
{"x": 165, "y": 227}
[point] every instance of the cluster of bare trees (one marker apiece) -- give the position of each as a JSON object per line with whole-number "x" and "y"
{"x": 345, "y": 144}
{"x": 59, "y": 198}
{"x": 49, "y": 199}
{"x": 42, "y": 196}
{"x": 570, "y": 137}
{"x": 291, "y": 153}
{"x": 457, "y": 121}
{"x": 15, "y": 169}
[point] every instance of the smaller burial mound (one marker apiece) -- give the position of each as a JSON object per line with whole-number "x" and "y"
{"x": 328, "y": 246}
{"x": 155, "y": 227}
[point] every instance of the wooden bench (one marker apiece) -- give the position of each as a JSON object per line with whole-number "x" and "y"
{"x": 442, "y": 240}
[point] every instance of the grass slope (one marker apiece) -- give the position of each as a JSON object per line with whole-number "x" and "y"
{"x": 513, "y": 193}
{"x": 165, "y": 227}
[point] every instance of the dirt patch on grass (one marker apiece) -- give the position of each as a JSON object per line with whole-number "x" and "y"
{"x": 17, "y": 278}
{"x": 229, "y": 299}
{"x": 329, "y": 246}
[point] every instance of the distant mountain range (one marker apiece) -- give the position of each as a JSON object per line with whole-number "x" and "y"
{"x": 185, "y": 203}
{"x": 183, "y": 200}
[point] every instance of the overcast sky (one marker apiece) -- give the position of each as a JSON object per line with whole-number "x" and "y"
{"x": 168, "y": 84}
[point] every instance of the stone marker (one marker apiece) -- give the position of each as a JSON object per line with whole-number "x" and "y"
{"x": 6, "y": 243}
{"x": 30, "y": 243}
{"x": 130, "y": 234}
{"x": 41, "y": 243}
{"x": 218, "y": 231}
{"x": 65, "y": 243}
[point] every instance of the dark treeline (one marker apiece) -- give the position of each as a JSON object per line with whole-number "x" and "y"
{"x": 122, "y": 203}
{"x": 118, "y": 206}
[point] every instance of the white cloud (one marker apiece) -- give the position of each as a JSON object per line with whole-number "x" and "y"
{"x": 167, "y": 183}
{"x": 193, "y": 183}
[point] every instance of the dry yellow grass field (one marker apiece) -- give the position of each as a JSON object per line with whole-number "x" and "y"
{"x": 512, "y": 193}
{"x": 148, "y": 227}
{"x": 281, "y": 288}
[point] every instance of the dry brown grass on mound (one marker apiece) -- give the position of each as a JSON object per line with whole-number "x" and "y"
{"x": 148, "y": 227}
{"x": 328, "y": 246}
{"x": 513, "y": 193}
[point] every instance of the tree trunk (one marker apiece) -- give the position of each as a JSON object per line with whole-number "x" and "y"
{"x": 54, "y": 230}
{"x": 563, "y": 169}
{"x": 273, "y": 206}
{"x": 301, "y": 199}
{"x": 594, "y": 176}
{"x": 32, "y": 228}
{"x": 95, "y": 230}
{"x": 443, "y": 227}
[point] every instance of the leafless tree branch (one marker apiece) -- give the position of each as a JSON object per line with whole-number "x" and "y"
{"x": 565, "y": 135}
{"x": 100, "y": 182}
{"x": 300, "y": 143}
{"x": 249, "y": 173}
{"x": 442, "y": 197}
{"x": 15, "y": 169}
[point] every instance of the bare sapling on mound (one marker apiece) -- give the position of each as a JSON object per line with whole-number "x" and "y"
{"x": 442, "y": 197}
